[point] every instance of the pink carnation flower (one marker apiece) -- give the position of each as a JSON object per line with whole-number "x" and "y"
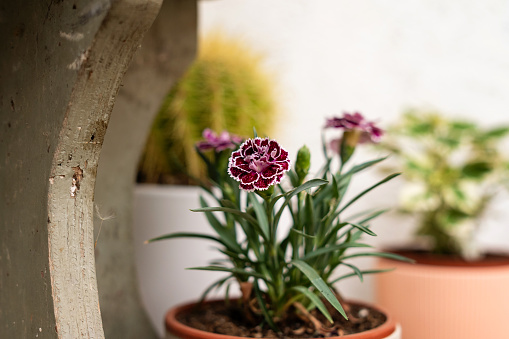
{"x": 258, "y": 164}
{"x": 218, "y": 142}
{"x": 369, "y": 132}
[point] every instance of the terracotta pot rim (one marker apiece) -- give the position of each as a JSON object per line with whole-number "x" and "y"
{"x": 177, "y": 328}
{"x": 422, "y": 257}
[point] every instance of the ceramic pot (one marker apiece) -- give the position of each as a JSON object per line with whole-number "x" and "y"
{"x": 446, "y": 298}
{"x": 161, "y": 266}
{"x": 175, "y": 329}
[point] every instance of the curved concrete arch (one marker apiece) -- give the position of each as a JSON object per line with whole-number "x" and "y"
{"x": 61, "y": 68}
{"x": 166, "y": 51}
{"x": 74, "y": 167}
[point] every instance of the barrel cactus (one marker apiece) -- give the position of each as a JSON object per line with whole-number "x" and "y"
{"x": 224, "y": 89}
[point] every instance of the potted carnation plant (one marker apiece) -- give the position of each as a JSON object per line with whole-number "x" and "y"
{"x": 285, "y": 276}
{"x": 225, "y": 89}
{"x": 452, "y": 170}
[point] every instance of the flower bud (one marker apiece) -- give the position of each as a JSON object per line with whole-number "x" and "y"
{"x": 302, "y": 163}
{"x": 348, "y": 143}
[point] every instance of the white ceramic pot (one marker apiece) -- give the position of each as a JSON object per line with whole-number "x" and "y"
{"x": 161, "y": 266}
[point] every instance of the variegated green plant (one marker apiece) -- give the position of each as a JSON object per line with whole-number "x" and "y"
{"x": 288, "y": 271}
{"x": 452, "y": 168}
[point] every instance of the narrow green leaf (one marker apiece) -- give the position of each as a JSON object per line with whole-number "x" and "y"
{"x": 302, "y": 233}
{"x": 294, "y": 178}
{"x": 227, "y": 203}
{"x": 260, "y": 215}
{"x": 315, "y": 301}
{"x": 331, "y": 235}
{"x": 226, "y": 210}
{"x": 365, "y": 272}
{"x": 236, "y": 212}
{"x": 216, "y": 284}
{"x": 227, "y": 295}
{"x": 235, "y": 255}
{"x": 380, "y": 254}
{"x": 363, "y": 229}
{"x": 307, "y": 185}
{"x": 318, "y": 282}
{"x": 389, "y": 177}
{"x": 231, "y": 270}
{"x": 309, "y": 216}
{"x": 332, "y": 248}
{"x": 371, "y": 216}
{"x": 275, "y": 199}
{"x": 225, "y": 234}
{"x": 186, "y": 235}
{"x": 290, "y": 194}
{"x": 356, "y": 271}
{"x": 324, "y": 146}
{"x": 364, "y": 165}
{"x": 263, "y": 307}
{"x": 335, "y": 191}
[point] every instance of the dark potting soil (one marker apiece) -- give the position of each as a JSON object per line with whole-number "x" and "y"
{"x": 219, "y": 318}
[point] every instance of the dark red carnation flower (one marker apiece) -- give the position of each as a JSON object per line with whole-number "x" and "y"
{"x": 258, "y": 164}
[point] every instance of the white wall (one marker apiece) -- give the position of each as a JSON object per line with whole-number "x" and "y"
{"x": 378, "y": 57}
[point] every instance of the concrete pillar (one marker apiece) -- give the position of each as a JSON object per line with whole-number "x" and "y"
{"x": 61, "y": 65}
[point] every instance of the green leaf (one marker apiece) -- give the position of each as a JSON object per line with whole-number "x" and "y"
{"x": 294, "y": 179}
{"x": 216, "y": 284}
{"x": 225, "y": 234}
{"x": 363, "y": 229}
{"x": 332, "y": 233}
{"x": 463, "y": 126}
{"x": 370, "y": 217}
{"x": 335, "y": 191}
{"x": 318, "y": 282}
{"x": 234, "y": 211}
{"x": 309, "y": 216}
{"x": 302, "y": 233}
{"x": 307, "y": 185}
{"x": 324, "y": 147}
{"x": 235, "y": 255}
{"x": 363, "y": 166}
{"x": 260, "y": 215}
{"x": 290, "y": 194}
{"x": 356, "y": 271}
{"x": 496, "y": 133}
{"x": 332, "y": 248}
{"x": 364, "y": 272}
{"x": 275, "y": 199}
{"x": 358, "y": 196}
{"x": 231, "y": 270}
{"x": 315, "y": 301}
{"x": 380, "y": 254}
{"x": 263, "y": 307}
{"x": 186, "y": 235}
{"x": 476, "y": 170}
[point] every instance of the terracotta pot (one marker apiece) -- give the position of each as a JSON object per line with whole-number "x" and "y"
{"x": 175, "y": 329}
{"x": 447, "y": 298}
